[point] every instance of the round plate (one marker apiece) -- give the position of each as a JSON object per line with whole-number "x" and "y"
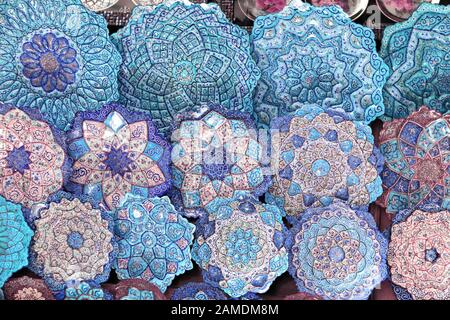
{"x": 400, "y": 10}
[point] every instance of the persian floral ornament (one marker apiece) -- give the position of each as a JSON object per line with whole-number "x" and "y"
{"x": 216, "y": 154}
{"x": 154, "y": 241}
{"x": 15, "y": 237}
{"x": 198, "y": 291}
{"x": 33, "y": 163}
{"x": 116, "y": 152}
{"x": 73, "y": 242}
{"x": 337, "y": 253}
{"x": 316, "y": 55}
{"x": 50, "y": 62}
{"x": 419, "y": 255}
{"x": 185, "y": 64}
{"x": 27, "y": 288}
{"x": 240, "y": 246}
{"x": 417, "y": 169}
{"x": 320, "y": 157}
{"x": 418, "y": 52}
{"x": 85, "y": 291}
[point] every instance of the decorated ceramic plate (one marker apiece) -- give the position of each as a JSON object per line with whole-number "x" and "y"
{"x": 50, "y": 62}
{"x": 417, "y": 51}
{"x": 15, "y": 237}
{"x": 316, "y": 55}
{"x": 400, "y": 10}
{"x": 216, "y": 154}
{"x": 320, "y": 157}
{"x": 240, "y": 246}
{"x": 184, "y": 64}
{"x": 198, "y": 291}
{"x": 154, "y": 241}
{"x": 416, "y": 173}
{"x": 27, "y": 288}
{"x": 85, "y": 291}
{"x": 419, "y": 255}
{"x": 73, "y": 242}
{"x": 134, "y": 289}
{"x": 337, "y": 253}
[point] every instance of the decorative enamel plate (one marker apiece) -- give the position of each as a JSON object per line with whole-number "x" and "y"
{"x": 216, "y": 154}
{"x": 135, "y": 289}
{"x": 184, "y": 62}
{"x": 56, "y": 56}
{"x": 15, "y": 237}
{"x": 317, "y": 55}
{"x": 153, "y": 241}
{"x": 321, "y": 156}
{"x": 198, "y": 291}
{"x": 337, "y": 253}
{"x": 417, "y": 169}
{"x": 417, "y": 51}
{"x": 85, "y": 291}
{"x": 400, "y": 10}
{"x": 419, "y": 255}
{"x": 27, "y": 288}
{"x": 33, "y": 160}
{"x": 240, "y": 246}
{"x": 73, "y": 242}
{"x": 115, "y": 152}
{"x": 99, "y": 5}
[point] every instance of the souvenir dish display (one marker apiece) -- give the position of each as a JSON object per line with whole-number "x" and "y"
{"x": 135, "y": 289}
{"x": 216, "y": 154}
{"x": 115, "y": 152}
{"x": 50, "y": 61}
{"x": 73, "y": 242}
{"x": 154, "y": 241}
{"x": 85, "y": 291}
{"x": 419, "y": 255}
{"x": 198, "y": 291}
{"x": 417, "y": 52}
{"x": 15, "y": 237}
{"x": 33, "y": 160}
{"x": 240, "y": 246}
{"x": 337, "y": 253}
{"x": 99, "y": 5}
{"x": 416, "y": 173}
{"x": 316, "y": 55}
{"x": 320, "y": 157}
{"x": 184, "y": 64}
{"x": 27, "y": 288}
{"x": 400, "y": 10}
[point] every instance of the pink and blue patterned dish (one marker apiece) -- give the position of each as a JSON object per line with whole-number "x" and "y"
{"x": 116, "y": 151}
{"x": 56, "y": 56}
{"x": 316, "y": 55}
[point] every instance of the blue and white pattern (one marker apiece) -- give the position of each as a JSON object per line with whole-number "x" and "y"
{"x": 418, "y": 53}
{"x": 175, "y": 57}
{"x": 337, "y": 253}
{"x": 320, "y": 157}
{"x": 216, "y": 154}
{"x": 15, "y": 237}
{"x": 85, "y": 291}
{"x": 154, "y": 241}
{"x": 240, "y": 246}
{"x": 198, "y": 291}
{"x": 316, "y": 55}
{"x": 56, "y": 56}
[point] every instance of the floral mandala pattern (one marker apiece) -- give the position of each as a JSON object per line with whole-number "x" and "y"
{"x": 185, "y": 64}
{"x": 154, "y": 241}
{"x": 310, "y": 54}
{"x": 322, "y": 156}
{"x": 116, "y": 152}
{"x": 15, "y": 237}
{"x": 418, "y": 52}
{"x": 419, "y": 254}
{"x": 85, "y": 291}
{"x": 135, "y": 289}
{"x": 417, "y": 170}
{"x": 50, "y": 62}
{"x": 198, "y": 291}
{"x": 240, "y": 246}
{"x": 27, "y": 288}
{"x": 337, "y": 253}
{"x": 33, "y": 163}
{"x": 215, "y": 154}
{"x": 73, "y": 241}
